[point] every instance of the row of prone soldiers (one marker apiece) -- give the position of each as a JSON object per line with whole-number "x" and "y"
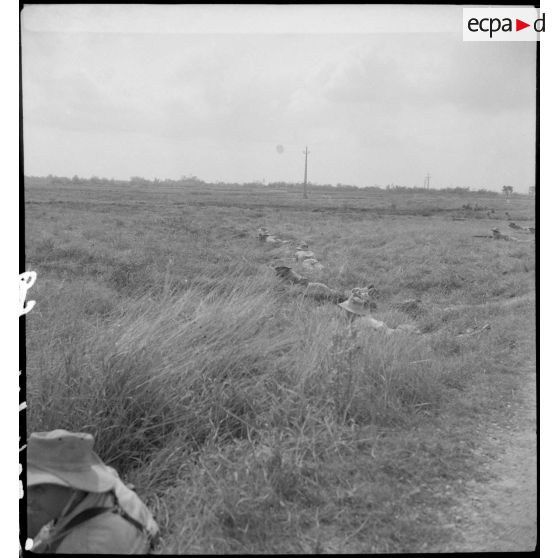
{"x": 498, "y": 235}
{"x": 358, "y": 304}
{"x": 302, "y": 252}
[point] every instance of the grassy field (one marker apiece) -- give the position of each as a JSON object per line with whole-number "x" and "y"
{"x": 241, "y": 409}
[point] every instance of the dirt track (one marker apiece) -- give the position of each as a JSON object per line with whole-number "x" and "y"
{"x": 501, "y": 515}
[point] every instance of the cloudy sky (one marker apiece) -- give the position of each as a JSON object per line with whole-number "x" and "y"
{"x": 379, "y": 94}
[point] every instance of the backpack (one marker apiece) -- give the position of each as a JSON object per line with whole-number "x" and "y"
{"x": 130, "y": 507}
{"x": 127, "y": 504}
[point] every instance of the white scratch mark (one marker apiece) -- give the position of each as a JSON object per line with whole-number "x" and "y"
{"x": 26, "y": 281}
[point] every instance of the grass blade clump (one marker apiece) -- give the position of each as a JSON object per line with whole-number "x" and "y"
{"x": 190, "y": 366}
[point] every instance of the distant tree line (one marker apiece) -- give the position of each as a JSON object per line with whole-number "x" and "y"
{"x": 452, "y": 190}
{"x": 189, "y": 181}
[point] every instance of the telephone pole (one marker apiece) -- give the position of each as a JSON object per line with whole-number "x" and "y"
{"x": 427, "y": 181}
{"x": 305, "y": 194}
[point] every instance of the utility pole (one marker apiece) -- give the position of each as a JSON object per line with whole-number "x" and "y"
{"x": 305, "y": 194}
{"x": 427, "y": 181}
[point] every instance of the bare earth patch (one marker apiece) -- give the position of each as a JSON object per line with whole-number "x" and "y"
{"x": 501, "y": 515}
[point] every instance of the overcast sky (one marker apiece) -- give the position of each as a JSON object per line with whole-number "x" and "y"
{"x": 167, "y": 91}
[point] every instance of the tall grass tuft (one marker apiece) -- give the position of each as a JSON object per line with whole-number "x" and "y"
{"x": 190, "y": 365}
{"x": 218, "y": 366}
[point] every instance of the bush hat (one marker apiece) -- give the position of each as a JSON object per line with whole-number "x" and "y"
{"x": 363, "y": 293}
{"x": 67, "y": 459}
{"x": 356, "y": 303}
{"x": 372, "y": 291}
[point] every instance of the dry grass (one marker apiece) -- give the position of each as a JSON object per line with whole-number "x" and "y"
{"x": 243, "y": 411}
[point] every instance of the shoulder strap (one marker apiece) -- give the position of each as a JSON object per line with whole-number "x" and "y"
{"x": 85, "y": 515}
{"x": 121, "y": 511}
{"x": 149, "y": 537}
{"x": 53, "y": 544}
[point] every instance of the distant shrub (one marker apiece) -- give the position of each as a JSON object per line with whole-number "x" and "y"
{"x": 98, "y": 306}
{"x": 130, "y": 277}
{"x": 44, "y": 249}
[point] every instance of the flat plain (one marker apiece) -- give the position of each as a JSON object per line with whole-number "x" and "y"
{"x": 243, "y": 411}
